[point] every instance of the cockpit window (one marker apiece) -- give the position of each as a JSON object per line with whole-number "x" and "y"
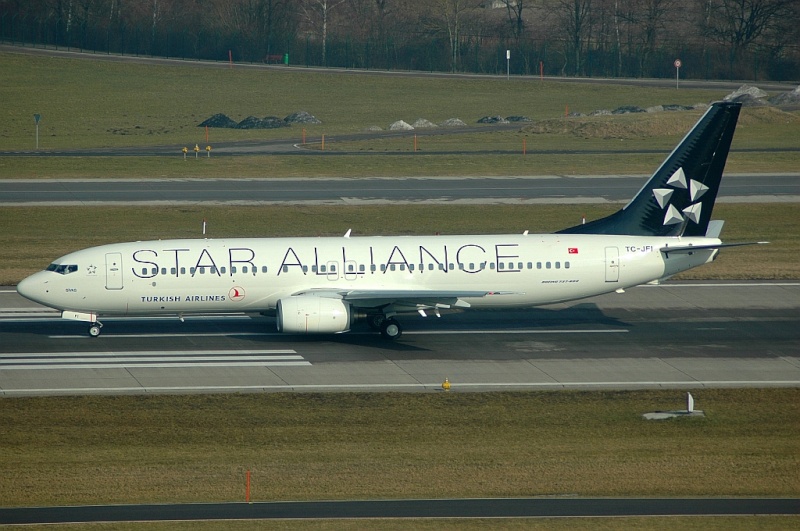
{"x": 62, "y": 269}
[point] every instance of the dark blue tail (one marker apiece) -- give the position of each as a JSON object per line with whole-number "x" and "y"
{"x": 678, "y": 199}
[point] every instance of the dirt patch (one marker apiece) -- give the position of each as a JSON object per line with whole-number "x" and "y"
{"x": 647, "y": 125}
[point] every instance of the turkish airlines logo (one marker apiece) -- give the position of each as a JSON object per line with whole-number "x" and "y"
{"x": 236, "y": 293}
{"x": 572, "y": 250}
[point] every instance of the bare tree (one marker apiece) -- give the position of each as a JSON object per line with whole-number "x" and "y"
{"x": 447, "y": 17}
{"x": 742, "y": 23}
{"x": 574, "y": 21}
{"x": 317, "y": 13}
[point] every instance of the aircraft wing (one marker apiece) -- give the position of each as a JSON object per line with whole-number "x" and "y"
{"x": 412, "y": 299}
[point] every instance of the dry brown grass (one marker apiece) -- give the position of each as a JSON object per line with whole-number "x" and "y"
{"x": 656, "y": 124}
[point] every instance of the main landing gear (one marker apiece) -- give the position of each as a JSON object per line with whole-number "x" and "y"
{"x": 94, "y": 329}
{"x": 389, "y": 327}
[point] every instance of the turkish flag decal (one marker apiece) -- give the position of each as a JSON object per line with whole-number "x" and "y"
{"x": 572, "y": 250}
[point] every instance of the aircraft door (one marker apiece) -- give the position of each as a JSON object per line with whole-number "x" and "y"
{"x": 612, "y": 264}
{"x": 113, "y": 270}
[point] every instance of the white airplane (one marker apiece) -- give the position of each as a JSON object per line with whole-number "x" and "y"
{"x": 323, "y": 285}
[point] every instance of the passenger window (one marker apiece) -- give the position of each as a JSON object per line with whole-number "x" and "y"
{"x": 558, "y": 265}
{"x": 163, "y": 270}
{"x": 547, "y": 265}
{"x": 566, "y": 265}
{"x": 538, "y": 265}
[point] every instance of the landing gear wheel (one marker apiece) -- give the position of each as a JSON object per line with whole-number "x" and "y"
{"x": 376, "y": 320}
{"x": 391, "y": 329}
{"x": 94, "y": 330}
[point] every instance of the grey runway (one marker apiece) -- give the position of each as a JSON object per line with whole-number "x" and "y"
{"x": 677, "y": 335}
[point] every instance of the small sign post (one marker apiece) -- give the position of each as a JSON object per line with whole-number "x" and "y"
{"x": 36, "y": 118}
{"x": 508, "y": 64}
{"x": 678, "y": 65}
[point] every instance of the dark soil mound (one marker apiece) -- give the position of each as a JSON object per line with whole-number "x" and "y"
{"x": 268, "y": 122}
{"x": 218, "y": 120}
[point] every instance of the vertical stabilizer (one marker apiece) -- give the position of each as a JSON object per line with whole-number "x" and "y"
{"x": 678, "y": 199}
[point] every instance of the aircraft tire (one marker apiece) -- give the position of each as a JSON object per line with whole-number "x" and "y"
{"x": 375, "y": 321}
{"x": 391, "y": 329}
{"x": 94, "y": 330}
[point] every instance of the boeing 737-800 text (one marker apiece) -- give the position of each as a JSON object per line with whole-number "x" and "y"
{"x": 323, "y": 285}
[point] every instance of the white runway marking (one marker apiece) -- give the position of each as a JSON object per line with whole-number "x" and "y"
{"x": 142, "y": 359}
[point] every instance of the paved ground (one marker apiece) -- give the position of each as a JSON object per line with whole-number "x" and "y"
{"x": 434, "y": 190}
{"x": 683, "y": 336}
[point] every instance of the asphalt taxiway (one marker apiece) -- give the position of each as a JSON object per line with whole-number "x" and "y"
{"x": 677, "y": 335}
{"x": 547, "y": 189}
{"x": 457, "y": 508}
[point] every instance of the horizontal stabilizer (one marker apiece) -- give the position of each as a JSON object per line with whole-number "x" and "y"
{"x": 691, "y": 248}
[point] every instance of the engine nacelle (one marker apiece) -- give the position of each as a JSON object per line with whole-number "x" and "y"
{"x": 313, "y": 315}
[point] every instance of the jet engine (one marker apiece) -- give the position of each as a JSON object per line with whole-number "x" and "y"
{"x": 313, "y": 315}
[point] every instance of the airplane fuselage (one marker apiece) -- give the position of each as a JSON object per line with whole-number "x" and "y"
{"x": 224, "y": 275}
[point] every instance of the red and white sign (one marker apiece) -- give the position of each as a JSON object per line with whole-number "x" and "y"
{"x": 678, "y": 63}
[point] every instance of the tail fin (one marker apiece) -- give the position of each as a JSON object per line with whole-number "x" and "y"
{"x": 678, "y": 199}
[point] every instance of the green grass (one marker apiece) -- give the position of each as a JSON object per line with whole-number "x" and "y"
{"x": 87, "y": 450}
{"x": 31, "y": 237}
{"x": 91, "y": 103}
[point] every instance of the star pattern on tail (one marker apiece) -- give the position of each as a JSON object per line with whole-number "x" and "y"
{"x": 677, "y": 181}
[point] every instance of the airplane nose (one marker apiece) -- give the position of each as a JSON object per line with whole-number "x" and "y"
{"x": 33, "y": 288}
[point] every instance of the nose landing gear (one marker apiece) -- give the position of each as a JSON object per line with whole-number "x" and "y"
{"x": 94, "y": 329}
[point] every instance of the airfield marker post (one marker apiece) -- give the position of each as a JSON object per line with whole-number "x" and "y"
{"x": 304, "y": 136}
{"x": 323, "y": 142}
{"x": 678, "y": 65}
{"x": 415, "y": 143}
{"x": 247, "y": 488}
{"x": 36, "y": 118}
{"x": 524, "y": 146}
